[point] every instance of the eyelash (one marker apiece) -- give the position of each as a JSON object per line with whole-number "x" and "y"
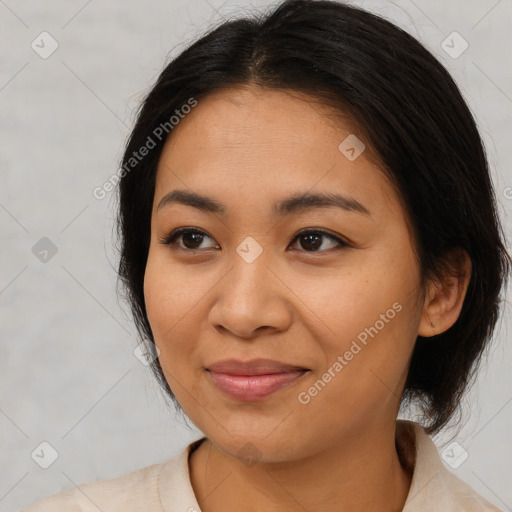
{"x": 177, "y": 233}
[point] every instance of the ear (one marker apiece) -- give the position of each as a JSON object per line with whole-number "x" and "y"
{"x": 444, "y": 297}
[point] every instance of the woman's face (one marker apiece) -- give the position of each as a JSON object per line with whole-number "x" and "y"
{"x": 343, "y": 302}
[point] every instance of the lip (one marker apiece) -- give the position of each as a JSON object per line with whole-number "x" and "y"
{"x": 253, "y": 380}
{"x": 252, "y": 367}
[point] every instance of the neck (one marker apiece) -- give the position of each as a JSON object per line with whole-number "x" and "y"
{"x": 361, "y": 472}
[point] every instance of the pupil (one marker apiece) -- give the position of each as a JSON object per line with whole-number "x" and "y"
{"x": 308, "y": 238}
{"x": 190, "y": 235}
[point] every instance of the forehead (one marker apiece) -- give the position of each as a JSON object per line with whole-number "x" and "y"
{"x": 254, "y": 116}
{"x": 262, "y": 143}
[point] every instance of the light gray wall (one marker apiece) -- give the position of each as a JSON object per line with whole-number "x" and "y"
{"x": 68, "y": 375}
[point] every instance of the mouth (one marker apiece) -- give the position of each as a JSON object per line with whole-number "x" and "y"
{"x": 253, "y": 380}
{"x": 253, "y": 367}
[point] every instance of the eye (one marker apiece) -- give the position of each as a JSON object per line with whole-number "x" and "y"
{"x": 311, "y": 239}
{"x": 191, "y": 237}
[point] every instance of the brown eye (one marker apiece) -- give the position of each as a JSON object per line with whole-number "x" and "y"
{"x": 312, "y": 240}
{"x": 191, "y": 238}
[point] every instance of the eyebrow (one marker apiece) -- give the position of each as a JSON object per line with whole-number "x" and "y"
{"x": 297, "y": 203}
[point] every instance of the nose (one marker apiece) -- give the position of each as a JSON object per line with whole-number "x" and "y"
{"x": 251, "y": 299}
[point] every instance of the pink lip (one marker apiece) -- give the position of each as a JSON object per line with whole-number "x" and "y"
{"x": 253, "y": 387}
{"x": 253, "y": 380}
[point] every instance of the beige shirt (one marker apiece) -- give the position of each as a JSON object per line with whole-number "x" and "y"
{"x": 166, "y": 487}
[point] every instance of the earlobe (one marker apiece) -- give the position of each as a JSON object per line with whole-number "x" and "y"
{"x": 445, "y": 297}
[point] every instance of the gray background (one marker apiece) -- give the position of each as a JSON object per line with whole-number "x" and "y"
{"x": 68, "y": 374}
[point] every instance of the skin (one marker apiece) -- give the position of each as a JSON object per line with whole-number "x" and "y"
{"x": 248, "y": 148}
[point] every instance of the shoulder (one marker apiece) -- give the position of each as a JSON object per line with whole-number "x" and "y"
{"x": 433, "y": 486}
{"x": 157, "y": 488}
{"x": 137, "y": 490}
{"x": 464, "y": 496}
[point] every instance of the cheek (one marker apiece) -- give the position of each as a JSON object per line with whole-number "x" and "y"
{"x": 354, "y": 298}
{"x": 158, "y": 298}
{"x": 169, "y": 306}
{"x": 369, "y": 317}
{"x": 364, "y": 364}
{"x": 174, "y": 309}
{"x": 170, "y": 294}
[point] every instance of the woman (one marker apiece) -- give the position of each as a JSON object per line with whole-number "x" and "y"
{"x": 314, "y": 245}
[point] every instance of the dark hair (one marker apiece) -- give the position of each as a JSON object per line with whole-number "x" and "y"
{"x": 411, "y": 116}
